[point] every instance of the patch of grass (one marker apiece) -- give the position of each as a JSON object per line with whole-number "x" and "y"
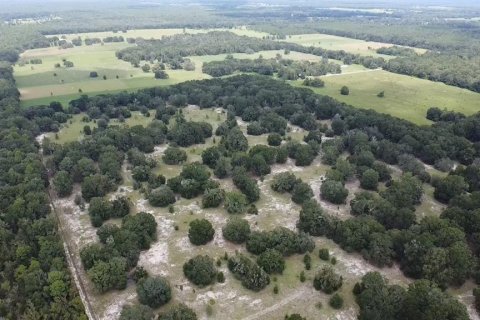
{"x": 405, "y": 97}
{"x": 362, "y": 47}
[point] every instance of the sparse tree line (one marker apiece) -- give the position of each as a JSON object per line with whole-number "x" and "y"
{"x": 284, "y": 68}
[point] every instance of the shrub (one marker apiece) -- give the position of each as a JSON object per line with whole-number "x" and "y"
{"x": 236, "y": 230}
{"x": 324, "y": 254}
{"x": 178, "y": 312}
{"x": 136, "y": 312}
{"x": 274, "y": 139}
{"x": 344, "y": 91}
{"x": 369, "y": 179}
{"x": 235, "y": 202}
{"x": 249, "y": 273}
{"x": 161, "y": 197}
{"x": 336, "y": 301}
{"x": 333, "y": 191}
{"x": 174, "y": 155}
{"x": 327, "y": 280}
{"x": 284, "y": 182}
{"x": 200, "y": 270}
{"x": 154, "y": 292}
{"x": 201, "y": 232}
{"x": 301, "y": 192}
{"x": 212, "y": 198}
{"x": 271, "y": 261}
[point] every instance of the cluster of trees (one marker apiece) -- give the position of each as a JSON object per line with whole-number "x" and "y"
{"x": 287, "y": 182}
{"x": 421, "y": 300}
{"x": 284, "y": 68}
{"x": 35, "y": 278}
{"x": 283, "y": 240}
{"x": 252, "y": 276}
{"x": 200, "y": 270}
{"x": 119, "y": 249}
{"x": 397, "y": 51}
{"x": 172, "y": 50}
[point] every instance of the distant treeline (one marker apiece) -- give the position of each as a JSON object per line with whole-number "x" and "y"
{"x": 284, "y": 68}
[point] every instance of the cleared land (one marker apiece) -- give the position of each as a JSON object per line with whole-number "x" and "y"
{"x": 405, "y": 97}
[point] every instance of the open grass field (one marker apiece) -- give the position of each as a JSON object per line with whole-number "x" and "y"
{"x": 362, "y": 47}
{"x": 38, "y": 85}
{"x": 405, "y": 97}
{"x": 159, "y": 33}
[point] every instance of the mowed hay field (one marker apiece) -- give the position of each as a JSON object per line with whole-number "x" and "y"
{"x": 356, "y": 46}
{"x": 405, "y": 97}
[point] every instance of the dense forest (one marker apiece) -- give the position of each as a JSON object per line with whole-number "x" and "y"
{"x": 34, "y": 276}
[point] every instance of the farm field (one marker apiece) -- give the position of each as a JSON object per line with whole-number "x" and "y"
{"x": 362, "y": 47}
{"x": 405, "y": 97}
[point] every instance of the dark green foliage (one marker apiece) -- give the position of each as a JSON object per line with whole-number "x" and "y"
{"x": 178, "y": 312}
{"x": 141, "y": 173}
{"x": 109, "y": 275}
{"x": 274, "y": 139}
{"x": 120, "y": 207}
{"x": 223, "y": 168}
{"x": 136, "y": 312}
{"x": 100, "y": 209}
{"x": 327, "y": 280}
{"x": 286, "y": 69}
{"x": 284, "y": 182}
{"x": 200, "y": 270}
{"x": 186, "y": 133}
{"x": 248, "y": 272}
{"x": 95, "y": 186}
{"x": 449, "y": 187}
{"x": 345, "y": 91}
{"x": 281, "y": 239}
{"x": 200, "y": 232}
{"x": 271, "y": 261}
{"x": 212, "y": 198}
{"x": 234, "y": 141}
{"x": 235, "y": 202}
{"x": 63, "y": 183}
{"x": 324, "y": 254}
{"x": 154, "y": 292}
{"x": 336, "y": 301}
{"x": 404, "y": 193}
{"x": 173, "y": 155}
{"x": 307, "y": 261}
{"x": 236, "y": 230}
{"x": 369, "y": 179}
{"x": 210, "y": 156}
{"x": 313, "y": 220}
{"x": 163, "y": 196}
{"x": 476, "y": 296}
{"x": 333, "y": 191}
{"x": 301, "y": 192}
{"x": 247, "y": 185}
{"x": 315, "y": 82}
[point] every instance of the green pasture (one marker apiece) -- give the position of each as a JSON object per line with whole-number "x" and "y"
{"x": 405, "y": 97}
{"x": 362, "y": 47}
